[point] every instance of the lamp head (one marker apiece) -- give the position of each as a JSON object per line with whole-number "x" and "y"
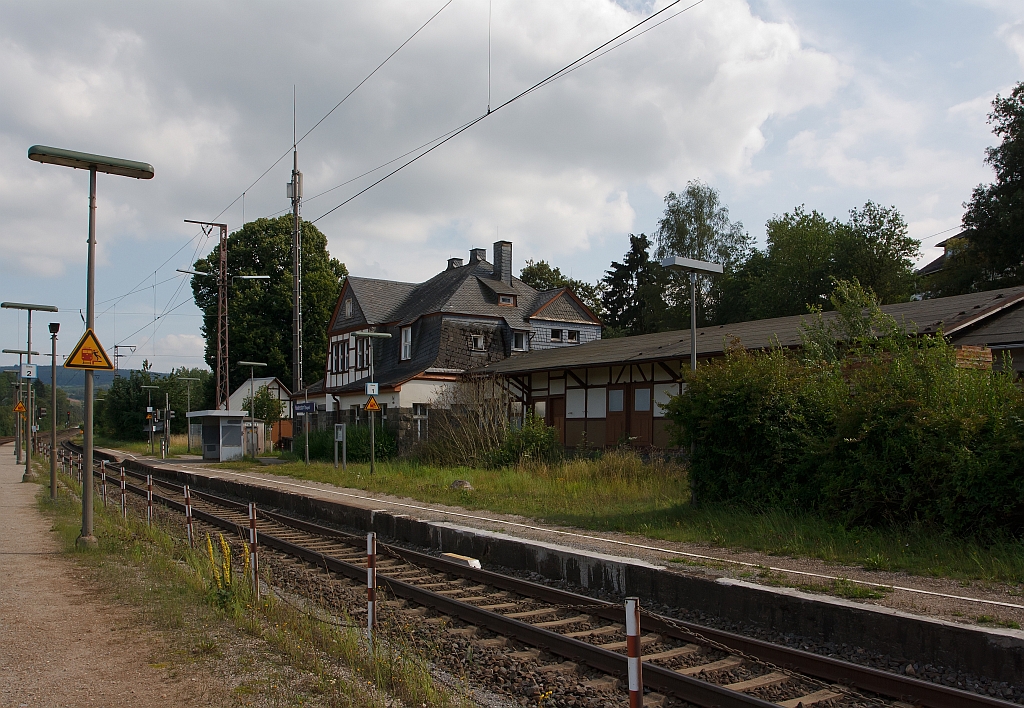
{"x": 54, "y": 327}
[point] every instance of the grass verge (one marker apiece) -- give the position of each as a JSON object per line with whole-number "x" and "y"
{"x": 621, "y": 492}
{"x": 266, "y": 651}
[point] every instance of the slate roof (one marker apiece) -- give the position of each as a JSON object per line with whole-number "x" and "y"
{"x": 470, "y": 289}
{"x": 968, "y": 319}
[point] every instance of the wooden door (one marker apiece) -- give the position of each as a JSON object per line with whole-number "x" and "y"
{"x": 615, "y": 416}
{"x": 556, "y": 409}
{"x": 641, "y": 416}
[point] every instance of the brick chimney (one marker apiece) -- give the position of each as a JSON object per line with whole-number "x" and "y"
{"x": 477, "y": 254}
{"x": 503, "y": 261}
{"x": 454, "y": 263}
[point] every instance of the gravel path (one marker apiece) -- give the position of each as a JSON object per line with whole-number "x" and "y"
{"x": 58, "y": 645}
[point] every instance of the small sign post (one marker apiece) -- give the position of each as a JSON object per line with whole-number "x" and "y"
{"x": 340, "y": 435}
{"x": 372, "y": 407}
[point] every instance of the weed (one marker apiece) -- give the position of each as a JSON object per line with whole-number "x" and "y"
{"x": 997, "y": 622}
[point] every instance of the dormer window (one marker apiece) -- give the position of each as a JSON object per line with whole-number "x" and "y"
{"x": 348, "y": 307}
{"x": 406, "y": 343}
{"x": 519, "y": 341}
{"x": 556, "y": 335}
{"x": 478, "y": 342}
{"x": 574, "y": 336}
{"x": 507, "y": 300}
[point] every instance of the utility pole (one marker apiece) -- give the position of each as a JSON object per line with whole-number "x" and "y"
{"x": 223, "y": 388}
{"x": 54, "y": 328}
{"x": 295, "y": 194}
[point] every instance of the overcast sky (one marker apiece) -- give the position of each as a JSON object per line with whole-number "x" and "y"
{"x": 774, "y": 102}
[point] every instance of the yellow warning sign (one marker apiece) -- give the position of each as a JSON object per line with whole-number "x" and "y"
{"x": 89, "y": 354}
{"x": 19, "y": 407}
{"x": 371, "y": 405}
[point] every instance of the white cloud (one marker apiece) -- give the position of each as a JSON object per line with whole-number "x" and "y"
{"x": 1013, "y": 35}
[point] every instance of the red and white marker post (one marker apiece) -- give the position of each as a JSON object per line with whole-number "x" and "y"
{"x": 188, "y": 519}
{"x": 636, "y": 681}
{"x": 371, "y": 584}
{"x": 103, "y": 481}
{"x": 254, "y": 557}
{"x": 149, "y": 500}
{"x": 124, "y": 496}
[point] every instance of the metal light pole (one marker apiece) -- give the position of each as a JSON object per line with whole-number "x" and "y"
{"x": 54, "y": 328}
{"x": 188, "y": 405}
{"x": 113, "y": 166}
{"x": 370, "y": 336}
{"x": 17, "y": 397}
{"x": 252, "y": 396}
{"x": 223, "y": 387}
{"x": 149, "y": 410}
{"x": 693, "y": 267}
{"x": 29, "y": 475}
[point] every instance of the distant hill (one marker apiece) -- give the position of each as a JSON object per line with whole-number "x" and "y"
{"x": 73, "y": 382}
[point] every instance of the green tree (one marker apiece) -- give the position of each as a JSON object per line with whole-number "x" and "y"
{"x": 991, "y": 252}
{"x": 260, "y": 323}
{"x": 696, "y": 225}
{"x": 807, "y": 253}
{"x": 540, "y": 275}
{"x": 633, "y": 297}
{"x": 264, "y": 406}
{"x": 122, "y": 414}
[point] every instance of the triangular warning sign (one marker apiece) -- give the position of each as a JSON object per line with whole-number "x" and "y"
{"x": 371, "y": 405}
{"x": 89, "y": 354}
{"x": 19, "y": 407}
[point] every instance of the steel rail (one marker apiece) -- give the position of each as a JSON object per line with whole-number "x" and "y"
{"x": 906, "y": 689}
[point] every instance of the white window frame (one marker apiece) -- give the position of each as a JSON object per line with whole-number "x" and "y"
{"x": 573, "y": 336}
{"x": 406, "y": 343}
{"x": 525, "y": 341}
{"x": 556, "y": 335}
{"x": 477, "y": 342}
{"x": 507, "y": 300}
{"x": 348, "y": 307}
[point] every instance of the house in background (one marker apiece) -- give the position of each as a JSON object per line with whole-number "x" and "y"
{"x": 613, "y": 391}
{"x": 280, "y": 430}
{"x": 465, "y": 317}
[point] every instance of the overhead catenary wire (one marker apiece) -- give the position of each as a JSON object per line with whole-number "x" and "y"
{"x": 595, "y": 53}
{"x": 283, "y": 155}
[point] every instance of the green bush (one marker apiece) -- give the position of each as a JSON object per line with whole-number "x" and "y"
{"x": 896, "y": 435}
{"x": 321, "y": 444}
{"x": 532, "y": 442}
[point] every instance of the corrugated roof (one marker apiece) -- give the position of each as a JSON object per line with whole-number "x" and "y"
{"x": 925, "y": 316}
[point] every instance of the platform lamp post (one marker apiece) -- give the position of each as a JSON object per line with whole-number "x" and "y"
{"x": 188, "y": 406}
{"x": 149, "y": 411}
{"x": 693, "y": 267}
{"x": 29, "y": 475}
{"x": 17, "y": 397}
{"x": 54, "y": 328}
{"x": 110, "y": 166}
{"x": 370, "y": 336}
{"x": 252, "y": 396}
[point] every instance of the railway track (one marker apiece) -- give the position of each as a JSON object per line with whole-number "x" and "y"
{"x": 555, "y": 632}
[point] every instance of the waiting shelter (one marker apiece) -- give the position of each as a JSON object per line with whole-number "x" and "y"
{"x": 222, "y": 433}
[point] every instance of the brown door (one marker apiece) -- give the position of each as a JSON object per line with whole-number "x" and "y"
{"x": 556, "y": 409}
{"x": 641, "y": 416}
{"x": 615, "y": 416}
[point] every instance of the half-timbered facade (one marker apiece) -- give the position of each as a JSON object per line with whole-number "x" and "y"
{"x": 612, "y": 391}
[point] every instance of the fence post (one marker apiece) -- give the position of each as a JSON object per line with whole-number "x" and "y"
{"x": 149, "y": 500}
{"x": 371, "y": 584}
{"x": 124, "y": 500}
{"x": 188, "y": 519}
{"x": 254, "y": 558}
{"x": 636, "y": 682}
{"x": 103, "y": 481}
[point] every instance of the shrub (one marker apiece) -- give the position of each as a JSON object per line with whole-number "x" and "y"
{"x": 321, "y": 444}
{"x": 882, "y": 430}
{"x": 533, "y": 442}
